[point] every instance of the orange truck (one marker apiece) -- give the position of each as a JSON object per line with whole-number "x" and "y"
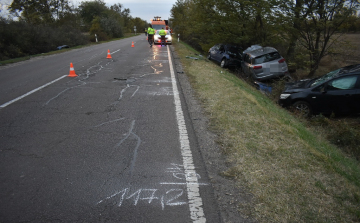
{"x": 157, "y": 23}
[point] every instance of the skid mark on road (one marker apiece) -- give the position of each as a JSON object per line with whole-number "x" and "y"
{"x": 138, "y": 140}
{"x": 56, "y": 96}
{"x": 156, "y": 71}
{"x": 122, "y": 92}
{"x": 82, "y": 79}
{"x": 184, "y": 186}
{"x": 105, "y": 123}
{"x": 168, "y": 91}
{"x": 30, "y": 92}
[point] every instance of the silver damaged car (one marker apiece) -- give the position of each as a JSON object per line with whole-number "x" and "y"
{"x": 263, "y": 63}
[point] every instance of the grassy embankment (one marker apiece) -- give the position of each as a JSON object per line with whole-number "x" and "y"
{"x": 295, "y": 174}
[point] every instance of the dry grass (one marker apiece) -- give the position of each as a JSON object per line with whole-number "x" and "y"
{"x": 294, "y": 174}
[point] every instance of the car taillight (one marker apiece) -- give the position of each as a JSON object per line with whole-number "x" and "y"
{"x": 257, "y": 67}
{"x": 282, "y": 60}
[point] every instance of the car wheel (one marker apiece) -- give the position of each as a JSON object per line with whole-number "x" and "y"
{"x": 303, "y": 108}
{"x": 223, "y": 63}
{"x": 209, "y": 56}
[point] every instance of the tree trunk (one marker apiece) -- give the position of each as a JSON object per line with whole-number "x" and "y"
{"x": 294, "y": 34}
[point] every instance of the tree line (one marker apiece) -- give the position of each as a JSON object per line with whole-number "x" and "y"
{"x": 42, "y": 25}
{"x": 311, "y": 27}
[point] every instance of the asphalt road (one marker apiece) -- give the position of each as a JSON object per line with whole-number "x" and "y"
{"x": 114, "y": 144}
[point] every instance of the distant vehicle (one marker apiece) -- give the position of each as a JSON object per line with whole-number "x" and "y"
{"x": 157, "y": 23}
{"x": 337, "y": 91}
{"x": 228, "y": 55}
{"x": 62, "y": 47}
{"x": 157, "y": 37}
{"x": 263, "y": 63}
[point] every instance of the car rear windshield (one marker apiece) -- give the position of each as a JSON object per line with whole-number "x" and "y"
{"x": 266, "y": 58}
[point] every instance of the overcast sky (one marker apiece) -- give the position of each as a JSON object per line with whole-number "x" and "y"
{"x": 144, "y": 9}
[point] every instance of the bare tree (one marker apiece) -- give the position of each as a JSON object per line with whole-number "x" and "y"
{"x": 318, "y": 28}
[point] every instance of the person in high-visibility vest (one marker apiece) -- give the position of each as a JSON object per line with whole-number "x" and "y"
{"x": 162, "y": 33}
{"x": 151, "y": 33}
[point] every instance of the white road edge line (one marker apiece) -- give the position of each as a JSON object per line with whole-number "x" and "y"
{"x": 30, "y": 92}
{"x": 195, "y": 202}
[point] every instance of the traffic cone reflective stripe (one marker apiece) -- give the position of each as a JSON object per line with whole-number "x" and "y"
{"x": 72, "y": 71}
{"x": 108, "y": 55}
{"x": 132, "y": 44}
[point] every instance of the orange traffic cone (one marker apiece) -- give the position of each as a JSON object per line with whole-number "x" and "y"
{"x": 72, "y": 71}
{"x": 132, "y": 44}
{"x": 109, "y": 56}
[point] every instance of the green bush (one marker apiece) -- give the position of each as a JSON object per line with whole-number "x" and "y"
{"x": 20, "y": 39}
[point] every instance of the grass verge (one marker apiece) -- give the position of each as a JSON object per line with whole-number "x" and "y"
{"x": 295, "y": 174}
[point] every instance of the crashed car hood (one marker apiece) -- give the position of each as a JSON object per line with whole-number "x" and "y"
{"x": 297, "y": 86}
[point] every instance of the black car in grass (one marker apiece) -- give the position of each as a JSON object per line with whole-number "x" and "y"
{"x": 228, "y": 55}
{"x": 335, "y": 92}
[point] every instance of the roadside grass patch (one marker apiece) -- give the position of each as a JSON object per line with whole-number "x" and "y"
{"x": 294, "y": 174}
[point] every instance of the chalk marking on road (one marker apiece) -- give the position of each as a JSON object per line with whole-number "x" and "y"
{"x": 133, "y": 161}
{"x": 161, "y": 61}
{"x": 115, "y": 51}
{"x": 88, "y": 73}
{"x": 109, "y": 122}
{"x": 82, "y": 81}
{"x": 125, "y": 89}
{"x": 171, "y": 183}
{"x": 170, "y": 197}
{"x": 56, "y": 96}
{"x": 156, "y": 70}
{"x": 122, "y": 91}
{"x": 138, "y": 87}
{"x": 30, "y": 92}
{"x": 195, "y": 201}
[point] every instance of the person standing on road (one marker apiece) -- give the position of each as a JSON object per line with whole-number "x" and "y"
{"x": 162, "y": 33}
{"x": 150, "y": 33}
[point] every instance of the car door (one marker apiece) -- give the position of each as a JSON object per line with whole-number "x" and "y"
{"x": 219, "y": 53}
{"x": 213, "y": 51}
{"x": 245, "y": 65}
{"x": 342, "y": 94}
{"x": 319, "y": 100}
